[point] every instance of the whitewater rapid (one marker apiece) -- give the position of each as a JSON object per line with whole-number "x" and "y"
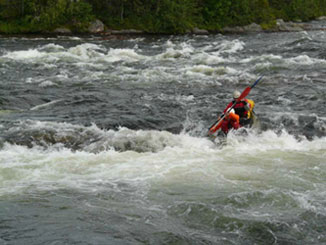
{"x": 104, "y": 141}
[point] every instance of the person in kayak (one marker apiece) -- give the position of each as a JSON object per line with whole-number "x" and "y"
{"x": 240, "y": 115}
{"x": 231, "y": 120}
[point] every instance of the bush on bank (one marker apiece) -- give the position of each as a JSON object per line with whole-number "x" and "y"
{"x": 153, "y": 16}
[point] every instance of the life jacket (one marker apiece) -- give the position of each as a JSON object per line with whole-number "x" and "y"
{"x": 252, "y": 105}
{"x": 239, "y": 108}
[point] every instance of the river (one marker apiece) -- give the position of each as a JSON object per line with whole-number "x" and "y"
{"x": 104, "y": 141}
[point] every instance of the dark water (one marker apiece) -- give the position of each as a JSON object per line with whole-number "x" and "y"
{"x": 103, "y": 141}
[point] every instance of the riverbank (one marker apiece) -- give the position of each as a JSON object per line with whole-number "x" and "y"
{"x": 155, "y": 17}
{"x": 97, "y": 28}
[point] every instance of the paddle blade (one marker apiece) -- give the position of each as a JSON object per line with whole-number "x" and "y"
{"x": 244, "y": 94}
{"x": 247, "y": 90}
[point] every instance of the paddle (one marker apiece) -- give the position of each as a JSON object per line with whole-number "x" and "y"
{"x": 245, "y": 92}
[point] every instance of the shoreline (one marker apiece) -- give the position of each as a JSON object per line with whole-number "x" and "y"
{"x": 281, "y": 26}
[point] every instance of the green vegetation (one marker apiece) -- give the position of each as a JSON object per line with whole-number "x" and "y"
{"x": 154, "y": 16}
{"x": 33, "y": 16}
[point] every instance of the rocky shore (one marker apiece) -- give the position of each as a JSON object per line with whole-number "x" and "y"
{"x": 281, "y": 26}
{"x": 98, "y": 28}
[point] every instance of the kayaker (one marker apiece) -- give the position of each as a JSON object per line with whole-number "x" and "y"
{"x": 231, "y": 120}
{"x": 240, "y": 115}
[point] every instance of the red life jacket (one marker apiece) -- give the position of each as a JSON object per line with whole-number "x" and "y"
{"x": 239, "y": 108}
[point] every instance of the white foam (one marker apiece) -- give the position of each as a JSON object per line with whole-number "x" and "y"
{"x": 85, "y": 52}
{"x": 52, "y": 52}
{"x": 51, "y": 47}
{"x": 90, "y": 55}
{"x": 274, "y": 59}
{"x": 183, "y": 50}
{"x": 44, "y": 105}
{"x": 268, "y": 60}
{"x": 270, "y": 141}
{"x": 152, "y": 157}
{"x": 304, "y": 60}
{"x": 208, "y": 70}
{"x": 311, "y": 200}
{"x": 25, "y": 54}
{"x": 47, "y": 83}
{"x": 128, "y": 55}
{"x": 229, "y": 46}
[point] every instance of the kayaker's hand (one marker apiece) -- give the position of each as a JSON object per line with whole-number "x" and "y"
{"x": 228, "y": 112}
